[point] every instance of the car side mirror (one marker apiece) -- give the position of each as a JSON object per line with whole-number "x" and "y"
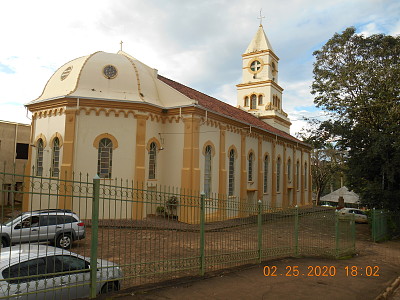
{"x": 18, "y": 226}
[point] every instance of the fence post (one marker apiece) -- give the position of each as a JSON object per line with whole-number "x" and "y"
{"x": 373, "y": 227}
{"x": 336, "y": 235}
{"x": 202, "y": 221}
{"x": 259, "y": 226}
{"x": 95, "y": 227}
{"x": 296, "y": 231}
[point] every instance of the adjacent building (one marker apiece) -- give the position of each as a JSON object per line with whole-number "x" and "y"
{"x": 14, "y": 146}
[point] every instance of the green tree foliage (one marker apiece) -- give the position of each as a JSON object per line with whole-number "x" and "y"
{"x": 327, "y": 162}
{"x": 357, "y": 80}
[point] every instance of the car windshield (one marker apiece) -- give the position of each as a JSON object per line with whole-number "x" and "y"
{"x": 13, "y": 220}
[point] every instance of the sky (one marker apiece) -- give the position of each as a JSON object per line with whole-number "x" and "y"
{"x": 197, "y": 43}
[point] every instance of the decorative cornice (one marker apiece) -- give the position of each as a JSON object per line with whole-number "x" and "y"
{"x": 261, "y": 83}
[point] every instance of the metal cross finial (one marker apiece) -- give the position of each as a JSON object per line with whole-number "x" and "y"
{"x": 121, "y": 42}
{"x": 261, "y": 17}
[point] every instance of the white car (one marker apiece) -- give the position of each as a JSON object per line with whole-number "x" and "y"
{"x": 359, "y": 215}
{"x": 34, "y": 271}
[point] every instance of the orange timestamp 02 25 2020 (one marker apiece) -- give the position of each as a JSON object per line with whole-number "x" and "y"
{"x": 321, "y": 271}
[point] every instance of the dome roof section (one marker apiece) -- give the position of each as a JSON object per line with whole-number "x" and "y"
{"x": 108, "y": 76}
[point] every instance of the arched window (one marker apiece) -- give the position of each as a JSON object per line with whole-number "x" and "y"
{"x": 260, "y": 100}
{"x": 246, "y": 101}
{"x": 104, "y": 158}
{"x": 298, "y": 175}
{"x": 231, "y": 180}
{"x": 152, "y": 160}
{"x": 39, "y": 157}
{"x": 55, "y": 159}
{"x": 265, "y": 173}
{"x": 253, "y": 102}
{"x": 305, "y": 175}
{"x": 250, "y": 169}
{"x": 278, "y": 174}
{"x": 289, "y": 170}
{"x": 207, "y": 170}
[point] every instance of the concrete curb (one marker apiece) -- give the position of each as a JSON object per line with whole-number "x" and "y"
{"x": 389, "y": 290}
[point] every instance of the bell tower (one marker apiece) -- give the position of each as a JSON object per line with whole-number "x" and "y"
{"x": 259, "y": 93}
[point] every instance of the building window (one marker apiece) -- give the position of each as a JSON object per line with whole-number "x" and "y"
{"x": 55, "y": 159}
{"x": 39, "y": 157}
{"x": 250, "y": 169}
{"x": 207, "y": 171}
{"x": 278, "y": 174}
{"x": 253, "y": 102}
{"x": 266, "y": 174}
{"x": 289, "y": 170}
{"x": 298, "y": 175}
{"x": 231, "y": 181}
{"x": 305, "y": 175}
{"x": 104, "y": 161}
{"x": 260, "y": 100}
{"x": 246, "y": 101}
{"x": 152, "y": 160}
{"x": 22, "y": 151}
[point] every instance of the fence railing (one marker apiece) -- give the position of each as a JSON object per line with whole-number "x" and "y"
{"x": 384, "y": 224}
{"x": 137, "y": 235}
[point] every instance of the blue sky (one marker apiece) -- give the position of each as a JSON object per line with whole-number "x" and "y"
{"x": 197, "y": 43}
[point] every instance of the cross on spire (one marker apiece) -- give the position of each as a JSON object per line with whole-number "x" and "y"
{"x": 261, "y": 17}
{"x": 121, "y": 42}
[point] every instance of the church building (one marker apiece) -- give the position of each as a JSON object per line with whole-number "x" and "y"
{"x": 112, "y": 115}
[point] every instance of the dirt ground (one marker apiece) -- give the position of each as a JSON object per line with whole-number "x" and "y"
{"x": 364, "y": 276}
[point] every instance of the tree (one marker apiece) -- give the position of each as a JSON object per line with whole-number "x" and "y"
{"x": 327, "y": 162}
{"x": 356, "y": 80}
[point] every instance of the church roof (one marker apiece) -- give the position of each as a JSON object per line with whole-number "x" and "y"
{"x": 225, "y": 109}
{"x": 128, "y": 80}
{"x": 259, "y": 42}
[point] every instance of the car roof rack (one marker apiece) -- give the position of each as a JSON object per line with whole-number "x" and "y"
{"x": 54, "y": 210}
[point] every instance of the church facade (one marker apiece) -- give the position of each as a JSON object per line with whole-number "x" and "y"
{"x": 112, "y": 115}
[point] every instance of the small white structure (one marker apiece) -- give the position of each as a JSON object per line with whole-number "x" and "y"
{"x": 350, "y": 198}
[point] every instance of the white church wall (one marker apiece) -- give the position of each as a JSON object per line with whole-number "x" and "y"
{"x": 170, "y": 167}
{"x": 88, "y": 127}
{"x": 47, "y": 127}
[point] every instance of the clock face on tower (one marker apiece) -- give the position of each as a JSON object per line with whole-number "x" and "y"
{"x": 110, "y": 71}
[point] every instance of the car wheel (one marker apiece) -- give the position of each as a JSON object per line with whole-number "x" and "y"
{"x": 4, "y": 242}
{"x": 110, "y": 287}
{"x": 64, "y": 241}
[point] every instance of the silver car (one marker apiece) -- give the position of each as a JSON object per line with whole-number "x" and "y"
{"x": 359, "y": 215}
{"x": 58, "y": 226}
{"x": 34, "y": 271}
